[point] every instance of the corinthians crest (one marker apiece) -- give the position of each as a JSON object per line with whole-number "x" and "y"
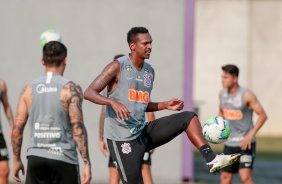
{"x": 126, "y": 148}
{"x": 237, "y": 102}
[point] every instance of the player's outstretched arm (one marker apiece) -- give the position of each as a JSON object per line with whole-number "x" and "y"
{"x": 174, "y": 104}
{"x": 78, "y": 128}
{"x": 18, "y": 129}
{"x": 109, "y": 77}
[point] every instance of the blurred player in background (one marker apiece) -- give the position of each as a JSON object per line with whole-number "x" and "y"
{"x": 113, "y": 172}
{"x": 237, "y": 105}
{"x": 129, "y": 81}
{"x": 53, "y": 105}
{"x": 4, "y": 165}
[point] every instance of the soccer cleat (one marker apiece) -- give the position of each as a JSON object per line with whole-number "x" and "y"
{"x": 222, "y": 161}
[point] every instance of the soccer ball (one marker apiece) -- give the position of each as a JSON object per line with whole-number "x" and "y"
{"x": 216, "y": 130}
{"x": 50, "y": 35}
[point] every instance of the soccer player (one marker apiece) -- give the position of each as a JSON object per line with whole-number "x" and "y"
{"x": 237, "y": 105}
{"x": 4, "y": 165}
{"x": 129, "y": 81}
{"x": 53, "y": 105}
{"x": 146, "y": 166}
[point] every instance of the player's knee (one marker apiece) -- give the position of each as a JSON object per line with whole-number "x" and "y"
{"x": 225, "y": 177}
{"x": 246, "y": 177}
{"x": 186, "y": 117}
{"x": 4, "y": 171}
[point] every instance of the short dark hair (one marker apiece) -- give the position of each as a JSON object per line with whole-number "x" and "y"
{"x": 231, "y": 69}
{"x": 133, "y": 32}
{"x": 54, "y": 53}
{"x": 118, "y": 56}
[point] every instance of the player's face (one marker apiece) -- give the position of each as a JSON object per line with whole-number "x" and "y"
{"x": 143, "y": 45}
{"x": 228, "y": 80}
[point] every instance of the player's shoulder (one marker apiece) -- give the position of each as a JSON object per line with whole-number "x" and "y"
{"x": 248, "y": 94}
{"x": 71, "y": 84}
{"x": 116, "y": 63}
{"x": 220, "y": 92}
{"x": 26, "y": 91}
{"x": 245, "y": 90}
{"x": 113, "y": 66}
{"x": 223, "y": 92}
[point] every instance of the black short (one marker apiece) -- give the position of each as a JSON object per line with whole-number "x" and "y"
{"x": 43, "y": 170}
{"x": 128, "y": 155}
{"x": 146, "y": 160}
{"x": 3, "y": 148}
{"x": 246, "y": 160}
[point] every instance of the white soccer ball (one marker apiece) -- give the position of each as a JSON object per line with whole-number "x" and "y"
{"x": 50, "y": 35}
{"x": 216, "y": 130}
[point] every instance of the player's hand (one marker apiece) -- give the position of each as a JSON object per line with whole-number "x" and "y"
{"x": 246, "y": 142}
{"x": 103, "y": 147}
{"x": 86, "y": 175}
{"x": 17, "y": 166}
{"x": 175, "y": 104}
{"x": 121, "y": 111}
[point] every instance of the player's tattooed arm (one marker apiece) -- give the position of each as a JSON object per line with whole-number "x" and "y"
{"x": 109, "y": 77}
{"x": 20, "y": 122}
{"x": 76, "y": 119}
{"x": 65, "y": 96}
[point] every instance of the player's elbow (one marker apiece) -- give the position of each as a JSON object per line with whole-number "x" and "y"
{"x": 265, "y": 117}
{"x": 16, "y": 133}
{"x": 87, "y": 94}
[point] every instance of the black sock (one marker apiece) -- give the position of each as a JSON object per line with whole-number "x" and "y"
{"x": 207, "y": 153}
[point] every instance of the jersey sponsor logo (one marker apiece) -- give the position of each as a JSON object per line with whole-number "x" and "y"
{"x": 138, "y": 96}
{"x": 41, "y": 88}
{"x": 56, "y": 151}
{"x": 235, "y": 139}
{"x": 36, "y": 126}
{"x": 47, "y": 135}
{"x": 232, "y": 114}
{"x": 44, "y": 127}
{"x": 43, "y": 145}
{"x": 126, "y": 148}
{"x": 137, "y": 129}
{"x": 52, "y": 148}
{"x": 139, "y": 79}
{"x": 147, "y": 80}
